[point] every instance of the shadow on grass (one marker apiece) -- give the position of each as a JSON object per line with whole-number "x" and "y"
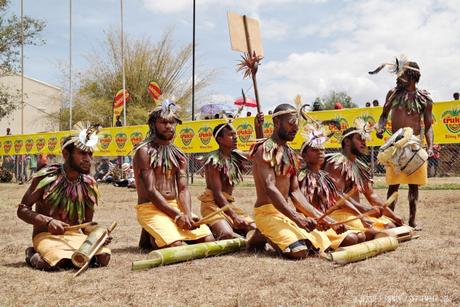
{"x": 128, "y": 250}
{"x": 20, "y": 264}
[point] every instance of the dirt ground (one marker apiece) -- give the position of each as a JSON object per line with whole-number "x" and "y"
{"x": 419, "y": 272}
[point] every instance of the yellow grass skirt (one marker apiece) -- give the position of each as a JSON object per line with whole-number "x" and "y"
{"x": 419, "y": 177}
{"x": 208, "y": 206}
{"x": 160, "y": 226}
{"x": 342, "y": 215}
{"x": 282, "y": 231}
{"x": 54, "y": 248}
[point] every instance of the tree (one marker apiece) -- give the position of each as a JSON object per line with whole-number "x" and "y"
{"x": 145, "y": 61}
{"x": 10, "y": 42}
{"x": 328, "y": 101}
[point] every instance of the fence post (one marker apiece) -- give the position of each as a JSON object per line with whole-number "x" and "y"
{"x": 372, "y": 161}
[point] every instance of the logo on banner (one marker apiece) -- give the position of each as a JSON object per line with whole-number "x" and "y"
{"x": 186, "y": 135}
{"x": 104, "y": 140}
{"x": 29, "y": 144}
{"x": 244, "y": 132}
{"x": 205, "y": 135}
{"x": 18, "y": 145}
{"x": 343, "y": 124}
{"x": 7, "y": 146}
{"x": 40, "y": 144}
{"x": 451, "y": 119}
{"x": 52, "y": 142}
{"x": 268, "y": 129}
{"x": 120, "y": 139}
{"x": 136, "y": 137}
{"x": 368, "y": 119}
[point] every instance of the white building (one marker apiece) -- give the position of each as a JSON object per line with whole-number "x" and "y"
{"x": 40, "y": 99}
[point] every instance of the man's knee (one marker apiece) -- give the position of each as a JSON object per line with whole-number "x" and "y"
{"x": 103, "y": 259}
{"x": 37, "y": 262}
{"x": 350, "y": 239}
{"x": 177, "y": 243}
{"x": 226, "y": 235}
{"x": 361, "y": 237}
{"x": 298, "y": 255}
{"x": 209, "y": 238}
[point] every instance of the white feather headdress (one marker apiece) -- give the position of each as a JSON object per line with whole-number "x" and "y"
{"x": 363, "y": 128}
{"x": 398, "y": 67}
{"x": 86, "y": 139}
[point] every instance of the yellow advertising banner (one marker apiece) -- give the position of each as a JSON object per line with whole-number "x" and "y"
{"x": 196, "y": 136}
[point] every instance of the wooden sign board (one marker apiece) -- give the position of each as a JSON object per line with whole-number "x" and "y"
{"x": 238, "y": 34}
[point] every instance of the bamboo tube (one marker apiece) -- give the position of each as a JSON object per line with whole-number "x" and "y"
{"x": 363, "y": 250}
{"x": 402, "y": 233}
{"x": 96, "y": 249}
{"x": 82, "y": 255}
{"x": 204, "y": 220}
{"x": 338, "y": 204}
{"x": 182, "y": 253}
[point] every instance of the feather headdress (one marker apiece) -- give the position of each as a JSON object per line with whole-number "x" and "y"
{"x": 167, "y": 110}
{"x": 86, "y": 139}
{"x": 363, "y": 128}
{"x": 315, "y": 136}
{"x": 398, "y": 67}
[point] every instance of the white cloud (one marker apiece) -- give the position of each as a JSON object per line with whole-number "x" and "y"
{"x": 364, "y": 35}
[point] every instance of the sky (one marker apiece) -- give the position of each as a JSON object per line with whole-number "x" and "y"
{"x": 311, "y": 47}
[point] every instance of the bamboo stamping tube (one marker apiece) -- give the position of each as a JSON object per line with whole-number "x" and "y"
{"x": 363, "y": 250}
{"x": 402, "y": 233}
{"x": 81, "y": 256}
{"x": 182, "y": 253}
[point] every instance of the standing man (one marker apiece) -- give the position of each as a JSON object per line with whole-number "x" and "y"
{"x": 163, "y": 199}
{"x": 409, "y": 106}
{"x": 289, "y": 228}
{"x": 64, "y": 195}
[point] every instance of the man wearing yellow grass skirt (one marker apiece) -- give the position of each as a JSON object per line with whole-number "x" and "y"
{"x": 223, "y": 171}
{"x": 164, "y": 201}
{"x": 320, "y": 190}
{"x": 64, "y": 195}
{"x": 409, "y": 106}
{"x": 349, "y": 173}
{"x": 290, "y": 228}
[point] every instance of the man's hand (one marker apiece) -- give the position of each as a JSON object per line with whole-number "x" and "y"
{"x": 240, "y": 223}
{"x": 56, "y": 227}
{"x": 376, "y": 211}
{"x": 341, "y": 228}
{"x": 430, "y": 152}
{"x": 185, "y": 222}
{"x": 398, "y": 221}
{"x": 366, "y": 222}
{"x": 305, "y": 222}
{"x": 259, "y": 120}
{"x": 108, "y": 241}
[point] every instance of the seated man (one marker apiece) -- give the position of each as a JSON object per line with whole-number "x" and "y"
{"x": 349, "y": 172}
{"x": 164, "y": 202}
{"x": 319, "y": 188}
{"x": 223, "y": 171}
{"x": 275, "y": 165}
{"x": 64, "y": 195}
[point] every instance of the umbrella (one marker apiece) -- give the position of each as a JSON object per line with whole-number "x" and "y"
{"x": 250, "y": 102}
{"x": 214, "y": 108}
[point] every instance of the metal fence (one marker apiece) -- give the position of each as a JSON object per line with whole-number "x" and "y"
{"x": 444, "y": 164}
